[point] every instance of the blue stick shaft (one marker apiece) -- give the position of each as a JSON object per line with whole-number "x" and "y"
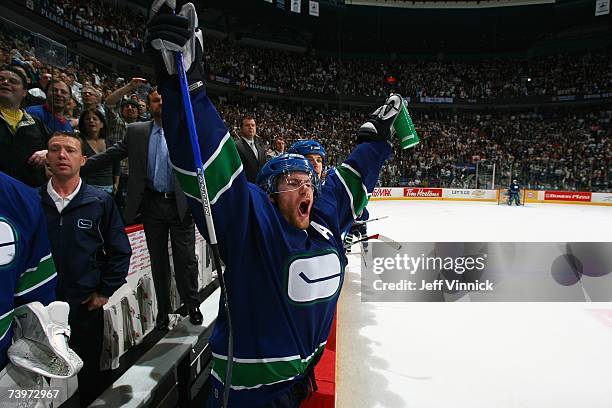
{"x": 210, "y": 226}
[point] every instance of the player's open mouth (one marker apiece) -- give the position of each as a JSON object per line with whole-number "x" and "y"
{"x": 304, "y": 208}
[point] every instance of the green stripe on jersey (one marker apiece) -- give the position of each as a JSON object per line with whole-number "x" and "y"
{"x": 354, "y": 187}
{"x": 35, "y": 277}
{"x": 5, "y": 323}
{"x": 220, "y": 170}
{"x": 254, "y": 373}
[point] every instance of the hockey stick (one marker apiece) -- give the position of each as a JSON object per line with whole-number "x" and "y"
{"x": 210, "y": 226}
{"x": 370, "y": 220}
{"x": 396, "y": 245}
{"x": 385, "y": 239}
{"x": 375, "y": 236}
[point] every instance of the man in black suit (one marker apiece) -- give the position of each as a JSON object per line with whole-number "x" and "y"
{"x": 251, "y": 150}
{"x": 155, "y": 196}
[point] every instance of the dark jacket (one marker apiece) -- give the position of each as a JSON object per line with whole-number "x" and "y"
{"x": 16, "y": 148}
{"x": 249, "y": 161}
{"x": 134, "y": 146}
{"x": 89, "y": 245}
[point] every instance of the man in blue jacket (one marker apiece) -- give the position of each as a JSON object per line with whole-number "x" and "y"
{"x": 90, "y": 248}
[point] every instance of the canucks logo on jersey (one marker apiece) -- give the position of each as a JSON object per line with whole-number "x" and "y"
{"x": 315, "y": 278}
{"x": 8, "y": 243}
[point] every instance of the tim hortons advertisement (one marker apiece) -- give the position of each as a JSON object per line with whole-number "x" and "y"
{"x": 577, "y": 196}
{"x": 423, "y": 192}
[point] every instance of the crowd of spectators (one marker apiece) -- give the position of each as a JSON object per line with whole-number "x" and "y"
{"x": 557, "y": 150}
{"x": 76, "y": 71}
{"x": 560, "y": 74}
{"x": 307, "y": 73}
{"x": 565, "y": 149}
{"x": 552, "y": 150}
{"x": 107, "y": 18}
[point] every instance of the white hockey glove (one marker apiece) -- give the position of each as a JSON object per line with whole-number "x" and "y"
{"x": 41, "y": 340}
{"x": 380, "y": 124}
{"x": 168, "y": 33}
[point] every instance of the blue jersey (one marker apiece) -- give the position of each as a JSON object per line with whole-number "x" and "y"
{"x": 514, "y": 188}
{"x": 26, "y": 266}
{"x": 364, "y": 216}
{"x": 328, "y": 173}
{"x": 283, "y": 282}
{"x": 53, "y": 123}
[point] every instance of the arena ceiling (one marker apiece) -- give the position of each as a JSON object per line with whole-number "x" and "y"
{"x": 460, "y": 27}
{"x": 446, "y": 4}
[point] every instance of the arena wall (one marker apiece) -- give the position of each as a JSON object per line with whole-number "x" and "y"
{"x": 482, "y": 195}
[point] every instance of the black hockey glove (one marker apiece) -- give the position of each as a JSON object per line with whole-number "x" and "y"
{"x": 168, "y": 33}
{"x": 379, "y": 125}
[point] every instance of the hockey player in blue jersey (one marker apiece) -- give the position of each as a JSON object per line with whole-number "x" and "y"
{"x": 514, "y": 193}
{"x": 28, "y": 271}
{"x": 280, "y": 241}
{"x": 314, "y": 152}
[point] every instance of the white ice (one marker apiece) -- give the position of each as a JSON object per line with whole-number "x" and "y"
{"x": 476, "y": 355}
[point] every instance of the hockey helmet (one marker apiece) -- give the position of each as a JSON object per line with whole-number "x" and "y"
{"x": 285, "y": 164}
{"x": 305, "y": 147}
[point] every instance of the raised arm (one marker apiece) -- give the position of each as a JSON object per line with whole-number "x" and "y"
{"x": 115, "y": 97}
{"x": 348, "y": 189}
{"x": 115, "y": 153}
{"x": 228, "y": 190}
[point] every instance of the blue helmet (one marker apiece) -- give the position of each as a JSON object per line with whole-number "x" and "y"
{"x": 305, "y": 147}
{"x": 285, "y": 164}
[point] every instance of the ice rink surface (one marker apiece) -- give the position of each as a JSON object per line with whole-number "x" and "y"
{"x": 476, "y": 355}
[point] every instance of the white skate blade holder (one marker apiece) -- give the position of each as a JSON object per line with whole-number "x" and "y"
{"x": 41, "y": 340}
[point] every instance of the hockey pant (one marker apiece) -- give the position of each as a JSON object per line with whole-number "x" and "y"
{"x": 356, "y": 232}
{"x": 514, "y": 197}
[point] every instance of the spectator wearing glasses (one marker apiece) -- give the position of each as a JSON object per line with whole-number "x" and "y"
{"x": 91, "y": 98}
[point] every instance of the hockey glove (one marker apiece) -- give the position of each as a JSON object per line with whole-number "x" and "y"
{"x": 380, "y": 124}
{"x": 169, "y": 33}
